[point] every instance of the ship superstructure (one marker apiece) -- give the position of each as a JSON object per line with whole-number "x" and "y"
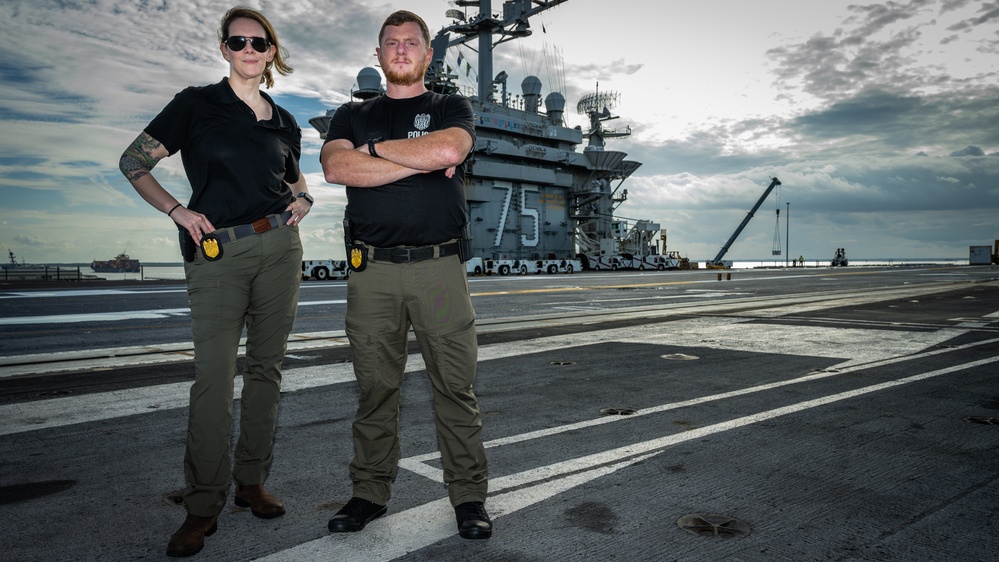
{"x": 536, "y": 203}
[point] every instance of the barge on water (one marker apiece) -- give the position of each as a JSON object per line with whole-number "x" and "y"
{"x": 120, "y": 264}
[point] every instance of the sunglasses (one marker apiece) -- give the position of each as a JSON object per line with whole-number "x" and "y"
{"x": 237, "y": 44}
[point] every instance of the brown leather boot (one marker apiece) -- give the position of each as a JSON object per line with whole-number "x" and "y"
{"x": 190, "y": 538}
{"x": 259, "y": 500}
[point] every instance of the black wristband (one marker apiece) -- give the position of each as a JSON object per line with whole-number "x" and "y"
{"x": 371, "y": 147}
{"x": 170, "y": 212}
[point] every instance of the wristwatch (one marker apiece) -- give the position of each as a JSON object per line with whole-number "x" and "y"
{"x": 371, "y": 146}
{"x": 307, "y": 197}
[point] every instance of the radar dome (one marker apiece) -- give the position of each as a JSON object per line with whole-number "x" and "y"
{"x": 369, "y": 83}
{"x": 531, "y": 87}
{"x": 555, "y": 107}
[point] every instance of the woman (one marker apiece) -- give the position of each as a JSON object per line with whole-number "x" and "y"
{"x": 240, "y": 241}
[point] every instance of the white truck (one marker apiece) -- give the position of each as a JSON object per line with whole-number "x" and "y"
{"x": 597, "y": 262}
{"x": 324, "y": 269}
{"x": 558, "y": 266}
{"x": 660, "y": 262}
{"x": 500, "y": 267}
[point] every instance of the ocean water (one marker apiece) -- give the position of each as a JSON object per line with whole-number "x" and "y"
{"x": 886, "y": 262}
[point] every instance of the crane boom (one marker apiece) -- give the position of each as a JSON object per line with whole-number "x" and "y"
{"x": 717, "y": 261}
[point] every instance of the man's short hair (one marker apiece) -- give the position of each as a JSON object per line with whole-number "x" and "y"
{"x": 403, "y": 16}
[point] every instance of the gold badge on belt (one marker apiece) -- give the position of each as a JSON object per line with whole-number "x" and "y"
{"x": 358, "y": 257}
{"x": 211, "y": 248}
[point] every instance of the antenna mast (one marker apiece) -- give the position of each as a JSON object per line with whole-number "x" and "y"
{"x": 514, "y": 24}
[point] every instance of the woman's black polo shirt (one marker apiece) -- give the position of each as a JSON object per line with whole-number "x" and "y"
{"x": 237, "y": 165}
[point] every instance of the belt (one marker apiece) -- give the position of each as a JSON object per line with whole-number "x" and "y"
{"x": 233, "y": 233}
{"x": 407, "y": 254}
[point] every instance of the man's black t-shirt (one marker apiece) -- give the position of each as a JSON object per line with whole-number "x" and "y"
{"x": 422, "y": 209}
{"x": 237, "y": 165}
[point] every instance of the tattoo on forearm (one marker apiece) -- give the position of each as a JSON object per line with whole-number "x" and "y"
{"x": 137, "y": 160}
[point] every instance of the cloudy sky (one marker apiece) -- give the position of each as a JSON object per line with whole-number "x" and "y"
{"x": 881, "y": 119}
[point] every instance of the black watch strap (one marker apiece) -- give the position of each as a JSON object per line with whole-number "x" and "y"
{"x": 371, "y": 147}
{"x": 307, "y": 197}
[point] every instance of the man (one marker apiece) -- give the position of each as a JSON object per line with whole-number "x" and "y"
{"x": 401, "y": 157}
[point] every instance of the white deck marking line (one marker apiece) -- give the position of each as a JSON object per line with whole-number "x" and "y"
{"x": 399, "y": 534}
{"x": 95, "y": 317}
{"x": 417, "y": 464}
{"x": 61, "y": 293}
{"x": 57, "y": 412}
{"x": 84, "y": 293}
{"x": 405, "y": 532}
{"x": 152, "y": 314}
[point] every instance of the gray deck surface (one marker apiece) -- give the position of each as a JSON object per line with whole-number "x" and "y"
{"x": 840, "y": 414}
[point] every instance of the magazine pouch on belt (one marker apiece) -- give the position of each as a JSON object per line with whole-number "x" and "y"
{"x": 465, "y": 242}
{"x": 187, "y": 246}
{"x": 357, "y": 254}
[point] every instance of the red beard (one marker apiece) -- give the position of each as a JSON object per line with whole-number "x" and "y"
{"x": 402, "y": 78}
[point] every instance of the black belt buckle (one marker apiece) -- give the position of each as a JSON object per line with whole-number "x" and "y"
{"x": 400, "y": 255}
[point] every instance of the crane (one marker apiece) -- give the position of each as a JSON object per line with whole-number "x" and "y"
{"x": 717, "y": 262}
